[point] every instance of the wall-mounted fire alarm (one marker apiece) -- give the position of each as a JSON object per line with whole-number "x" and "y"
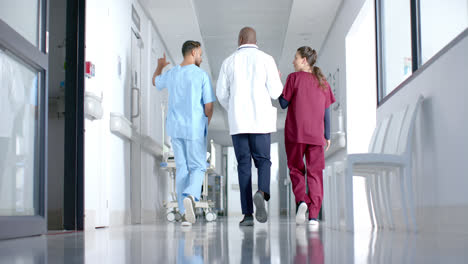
{"x": 89, "y": 69}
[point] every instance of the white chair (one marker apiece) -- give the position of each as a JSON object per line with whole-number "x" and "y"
{"x": 334, "y": 183}
{"x": 375, "y": 146}
{"x": 394, "y": 159}
{"x": 329, "y": 194}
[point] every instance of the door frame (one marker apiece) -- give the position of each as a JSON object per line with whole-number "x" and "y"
{"x": 36, "y": 57}
{"x": 73, "y": 207}
{"x": 135, "y": 147}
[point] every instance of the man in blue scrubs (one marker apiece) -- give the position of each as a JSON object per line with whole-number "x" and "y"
{"x": 191, "y": 100}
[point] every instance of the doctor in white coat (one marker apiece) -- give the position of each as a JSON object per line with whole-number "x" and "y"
{"x": 247, "y": 82}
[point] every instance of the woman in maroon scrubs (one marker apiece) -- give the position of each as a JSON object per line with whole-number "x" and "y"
{"x": 307, "y": 95}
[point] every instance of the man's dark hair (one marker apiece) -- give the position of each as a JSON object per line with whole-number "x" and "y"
{"x": 189, "y": 45}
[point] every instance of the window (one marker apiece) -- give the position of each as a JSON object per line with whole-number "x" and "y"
{"x": 395, "y": 27}
{"x": 440, "y": 23}
{"x": 410, "y": 33}
{"x": 22, "y": 16}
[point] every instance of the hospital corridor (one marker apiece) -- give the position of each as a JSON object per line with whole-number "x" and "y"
{"x": 248, "y": 131}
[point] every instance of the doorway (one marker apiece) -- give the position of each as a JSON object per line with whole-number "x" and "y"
{"x": 361, "y": 97}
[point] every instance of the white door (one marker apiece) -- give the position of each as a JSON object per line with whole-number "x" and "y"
{"x": 135, "y": 158}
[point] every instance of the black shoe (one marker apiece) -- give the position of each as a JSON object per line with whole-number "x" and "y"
{"x": 247, "y": 221}
{"x": 260, "y": 211}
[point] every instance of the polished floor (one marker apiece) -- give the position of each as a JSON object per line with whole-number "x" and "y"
{"x": 278, "y": 241}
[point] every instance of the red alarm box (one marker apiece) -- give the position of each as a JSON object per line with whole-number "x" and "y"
{"x": 89, "y": 69}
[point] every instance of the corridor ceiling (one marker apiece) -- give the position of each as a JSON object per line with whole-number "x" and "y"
{"x": 282, "y": 26}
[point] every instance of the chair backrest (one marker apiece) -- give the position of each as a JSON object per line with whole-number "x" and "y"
{"x": 393, "y": 133}
{"x": 407, "y": 129}
{"x": 400, "y": 131}
{"x": 374, "y": 136}
{"x": 378, "y": 138}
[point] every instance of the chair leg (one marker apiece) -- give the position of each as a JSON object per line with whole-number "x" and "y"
{"x": 349, "y": 198}
{"x": 369, "y": 200}
{"x": 387, "y": 199}
{"x": 326, "y": 195}
{"x": 372, "y": 246}
{"x": 409, "y": 184}
{"x": 404, "y": 205}
{"x": 383, "y": 209}
{"x": 336, "y": 203}
{"x": 325, "y": 198}
{"x": 377, "y": 201}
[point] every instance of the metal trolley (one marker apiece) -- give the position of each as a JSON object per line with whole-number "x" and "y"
{"x": 173, "y": 214}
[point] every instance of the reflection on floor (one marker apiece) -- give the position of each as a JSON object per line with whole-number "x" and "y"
{"x": 278, "y": 241}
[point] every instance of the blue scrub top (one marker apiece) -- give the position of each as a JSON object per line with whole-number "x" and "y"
{"x": 189, "y": 90}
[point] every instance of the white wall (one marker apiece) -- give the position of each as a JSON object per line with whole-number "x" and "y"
{"x": 440, "y": 146}
{"x": 361, "y": 88}
{"x": 155, "y": 182}
{"x": 107, "y": 157}
{"x": 332, "y": 56}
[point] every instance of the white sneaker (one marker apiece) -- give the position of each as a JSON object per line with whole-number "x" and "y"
{"x": 313, "y": 225}
{"x": 301, "y": 213}
{"x": 186, "y": 224}
{"x": 189, "y": 205}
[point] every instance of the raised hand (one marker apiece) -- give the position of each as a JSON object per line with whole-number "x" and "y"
{"x": 162, "y": 62}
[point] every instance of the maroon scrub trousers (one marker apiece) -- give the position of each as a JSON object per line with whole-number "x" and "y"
{"x": 304, "y": 136}
{"x": 315, "y": 163}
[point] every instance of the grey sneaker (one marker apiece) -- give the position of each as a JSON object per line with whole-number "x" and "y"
{"x": 189, "y": 205}
{"x": 260, "y": 211}
{"x": 185, "y": 223}
{"x": 247, "y": 221}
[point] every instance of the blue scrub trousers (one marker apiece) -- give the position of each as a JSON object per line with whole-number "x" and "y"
{"x": 190, "y": 159}
{"x": 246, "y": 147}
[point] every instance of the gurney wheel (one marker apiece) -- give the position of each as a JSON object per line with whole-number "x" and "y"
{"x": 171, "y": 217}
{"x": 210, "y": 216}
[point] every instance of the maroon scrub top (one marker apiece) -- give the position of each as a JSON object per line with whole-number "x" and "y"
{"x": 306, "y": 109}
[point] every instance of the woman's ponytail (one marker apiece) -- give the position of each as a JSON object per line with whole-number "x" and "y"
{"x": 311, "y": 56}
{"x": 320, "y": 77}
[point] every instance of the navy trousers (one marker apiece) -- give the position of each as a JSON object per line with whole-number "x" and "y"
{"x": 256, "y": 147}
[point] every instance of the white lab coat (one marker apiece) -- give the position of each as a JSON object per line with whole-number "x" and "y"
{"x": 247, "y": 82}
